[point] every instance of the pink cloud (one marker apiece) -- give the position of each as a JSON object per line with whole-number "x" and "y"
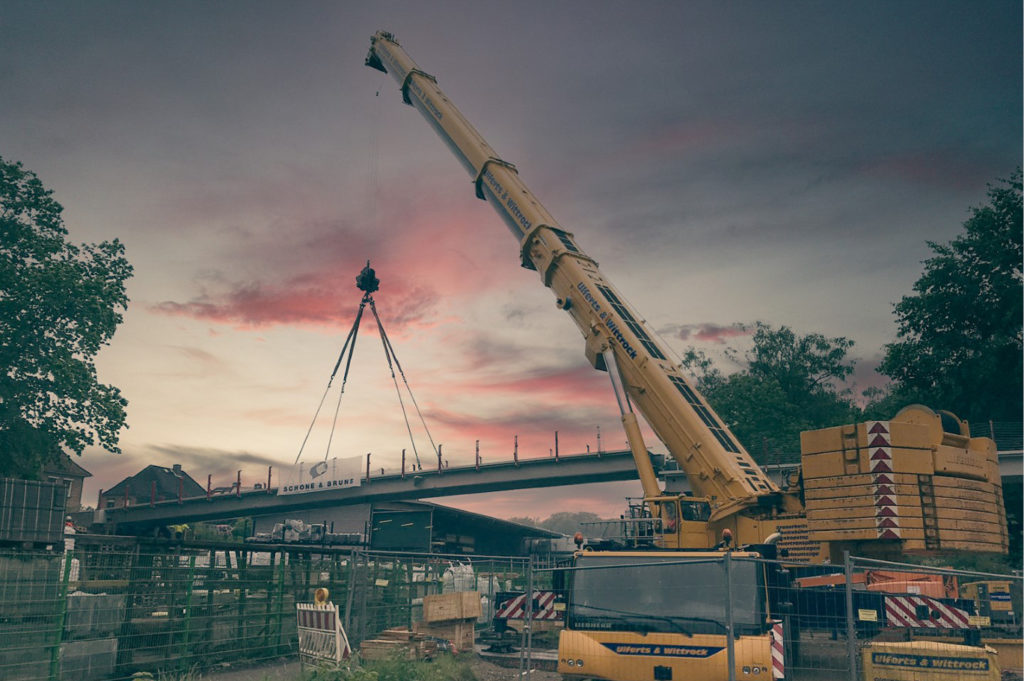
{"x": 711, "y": 333}
{"x": 675, "y": 138}
{"x": 535, "y": 423}
{"x": 311, "y": 280}
{"x": 940, "y": 169}
{"x": 579, "y": 385}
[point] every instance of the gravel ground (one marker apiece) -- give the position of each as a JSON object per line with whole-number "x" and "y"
{"x": 485, "y": 671}
{"x": 285, "y": 669}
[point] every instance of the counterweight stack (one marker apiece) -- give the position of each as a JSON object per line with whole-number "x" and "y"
{"x": 918, "y": 483}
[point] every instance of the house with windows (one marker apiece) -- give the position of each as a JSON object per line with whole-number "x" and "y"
{"x": 65, "y": 471}
{"x": 152, "y": 483}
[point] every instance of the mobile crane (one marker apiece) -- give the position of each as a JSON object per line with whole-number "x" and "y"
{"x": 730, "y": 491}
{"x": 732, "y": 496}
{"x": 660, "y": 613}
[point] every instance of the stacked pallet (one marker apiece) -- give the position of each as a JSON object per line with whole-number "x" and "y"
{"x": 908, "y": 484}
{"x": 451, "y": 617}
{"x": 398, "y": 643}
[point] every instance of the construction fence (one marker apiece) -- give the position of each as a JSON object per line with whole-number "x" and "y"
{"x": 109, "y": 607}
{"x": 861, "y": 621}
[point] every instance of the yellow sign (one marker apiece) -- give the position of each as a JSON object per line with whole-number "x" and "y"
{"x": 979, "y": 621}
{"x": 867, "y": 615}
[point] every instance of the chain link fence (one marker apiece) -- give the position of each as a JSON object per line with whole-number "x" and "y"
{"x": 111, "y": 607}
{"x": 731, "y": 616}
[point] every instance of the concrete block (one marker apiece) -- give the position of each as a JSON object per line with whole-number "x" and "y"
{"x": 94, "y": 615}
{"x": 88, "y": 660}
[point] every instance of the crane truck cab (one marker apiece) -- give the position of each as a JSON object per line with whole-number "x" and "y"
{"x": 666, "y": 615}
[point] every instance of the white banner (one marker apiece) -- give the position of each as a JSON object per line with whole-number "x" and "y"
{"x": 321, "y": 475}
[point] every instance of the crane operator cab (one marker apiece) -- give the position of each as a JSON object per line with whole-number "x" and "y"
{"x": 684, "y": 520}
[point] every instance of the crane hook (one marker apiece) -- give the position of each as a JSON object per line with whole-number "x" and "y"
{"x": 367, "y": 280}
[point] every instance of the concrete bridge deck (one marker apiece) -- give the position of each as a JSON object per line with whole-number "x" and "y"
{"x": 570, "y": 469}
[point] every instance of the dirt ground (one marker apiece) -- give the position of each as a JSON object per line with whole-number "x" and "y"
{"x": 288, "y": 670}
{"x": 485, "y": 671}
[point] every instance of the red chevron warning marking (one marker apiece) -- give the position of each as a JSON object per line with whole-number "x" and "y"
{"x": 882, "y": 454}
{"x": 883, "y": 479}
{"x": 888, "y": 534}
{"x": 879, "y": 441}
{"x": 880, "y": 466}
{"x": 879, "y": 427}
{"x": 884, "y": 489}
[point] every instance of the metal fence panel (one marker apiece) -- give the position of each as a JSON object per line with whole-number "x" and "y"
{"x": 111, "y": 607}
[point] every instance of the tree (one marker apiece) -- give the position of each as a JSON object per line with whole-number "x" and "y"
{"x": 959, "y": 334}
{"x": 568, "y": 522}
{"x": 787, "y": 384}
{"x": 564, "y": 521}
{"x": 59, "y": 304}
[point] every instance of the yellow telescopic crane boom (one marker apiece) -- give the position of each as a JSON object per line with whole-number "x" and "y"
{"x": 717, "y": 466}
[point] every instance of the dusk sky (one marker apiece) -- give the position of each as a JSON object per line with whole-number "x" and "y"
{"x": 724, "y": 162}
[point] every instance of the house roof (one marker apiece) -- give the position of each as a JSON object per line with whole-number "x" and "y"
{"x": 166, "y": 481}
{"x": 65, "y": 465}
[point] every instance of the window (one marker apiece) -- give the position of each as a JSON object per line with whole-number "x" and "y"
{"x": 664, "y": 594}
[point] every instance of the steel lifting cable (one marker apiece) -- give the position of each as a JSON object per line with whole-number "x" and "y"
{"x": 368, "y": 283}
{"x": 389, "y": 350}
{"x": 401, "y": 403}
{"x": 344, "y": 377}
{"x": 352, "y": 334}
{"x": 389, "y": 353}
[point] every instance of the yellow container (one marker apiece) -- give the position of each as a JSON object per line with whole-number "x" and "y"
{"x": 957, "y": 484}
{"x": 987, "y": 516}
{"x": 858, "y": 436}
{"x": 956, "y": 461}
{"x": 867, "y": 499}
{"x": 869, "y": 512}
{"x": 827, "y": 532}
{"x": 857, "y": 479}
{"x": 852, "y": 462}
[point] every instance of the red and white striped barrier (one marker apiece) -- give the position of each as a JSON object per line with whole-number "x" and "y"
{"x": 321, "y": 636}
{"x": 902, "y": 611}
{"x": 544, "y": 608}
{"x": 778, "y": 651}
